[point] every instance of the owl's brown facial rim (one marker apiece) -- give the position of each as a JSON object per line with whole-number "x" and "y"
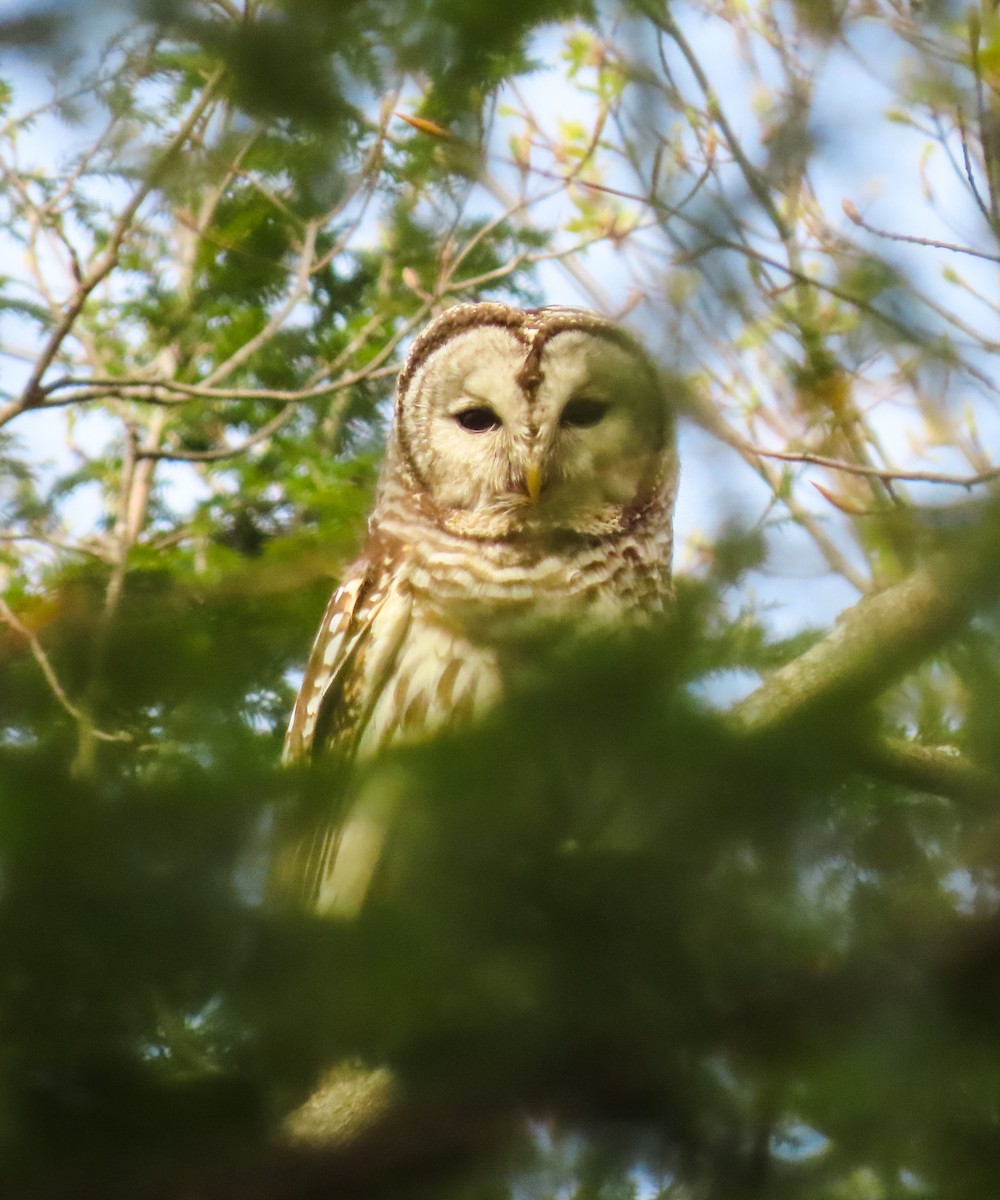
{"x": 532, "y": 327}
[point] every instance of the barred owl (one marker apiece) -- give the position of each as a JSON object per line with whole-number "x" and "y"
{"x": 530, "y": 473}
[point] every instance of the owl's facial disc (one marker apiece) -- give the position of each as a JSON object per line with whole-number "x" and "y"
{"x": 568, "y": 455}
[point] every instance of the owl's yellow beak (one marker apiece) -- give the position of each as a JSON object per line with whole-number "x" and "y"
{"x": 533, "y": 482}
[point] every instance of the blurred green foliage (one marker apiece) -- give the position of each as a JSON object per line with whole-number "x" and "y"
{"x": 738, "y": 964}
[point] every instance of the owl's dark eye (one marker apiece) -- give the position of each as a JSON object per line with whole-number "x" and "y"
{"x": 478, "y": 420}
{"x": 583, "y": 412}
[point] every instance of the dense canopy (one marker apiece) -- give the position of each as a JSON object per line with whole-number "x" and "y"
{"x": 707, "y": 912}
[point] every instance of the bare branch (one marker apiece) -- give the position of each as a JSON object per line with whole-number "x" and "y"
{"x": 857, "y": 219}
{"x": 884, "y": 473}
{"x": 969, "y": 173}
{"x": 55, "y": 544}
{"x": 663, "y": 20}
{"x": 151, "y": 392}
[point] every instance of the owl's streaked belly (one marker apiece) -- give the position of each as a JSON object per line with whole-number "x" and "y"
{"x": 438, "y": 677}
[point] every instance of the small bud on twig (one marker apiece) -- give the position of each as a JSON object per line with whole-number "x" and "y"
{"x": 850, "y": 211}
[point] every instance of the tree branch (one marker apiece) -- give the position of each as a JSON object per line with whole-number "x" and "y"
{"x": 938, "y": 770}
{"x": 881, "y": 638}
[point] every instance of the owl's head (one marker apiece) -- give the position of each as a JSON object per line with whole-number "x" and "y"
{"x": 532, "y": 422}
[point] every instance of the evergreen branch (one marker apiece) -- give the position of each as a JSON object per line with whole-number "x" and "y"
{"x": 404, "y": 1148}
{"x": 277, "y": 320}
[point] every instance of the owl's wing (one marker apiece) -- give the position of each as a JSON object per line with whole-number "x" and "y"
{"x": 359, "y": 637}
{"x": 364, "y": 626}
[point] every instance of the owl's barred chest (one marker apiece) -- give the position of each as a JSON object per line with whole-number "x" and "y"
{"x": 471, "y": 619}
{"x": 513, "y": 578}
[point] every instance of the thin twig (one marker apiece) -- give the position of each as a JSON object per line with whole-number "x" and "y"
{"x": 149, "y": 390}
{"x": 884, "y": 473}
{"x": 969, "y": 173}
{"x": 8, "y": 616}
{"x": 984, "y": 117}
{"x": 55, "y": 544}
{"x": 716, "y": 241}
{"x": 271, "y": 427}
{"x": 856, "y": 218}
{"x": 753, "y": 177}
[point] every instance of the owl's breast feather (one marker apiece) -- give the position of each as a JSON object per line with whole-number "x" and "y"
{"x": 439, "y": 676}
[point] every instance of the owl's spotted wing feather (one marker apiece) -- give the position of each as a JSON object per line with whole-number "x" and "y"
{"x": 382, "y": 671}
{"x": 361, "y": 632}
{"x": 365, "y": 624}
